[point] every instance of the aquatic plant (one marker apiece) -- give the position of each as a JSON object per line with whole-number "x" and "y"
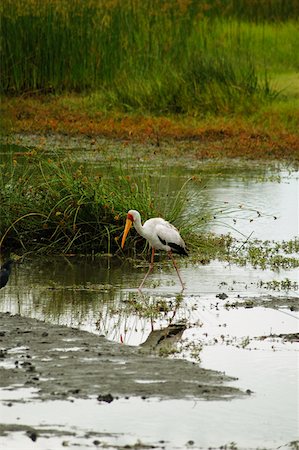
{"x": 267, "y": 254}
{"x": 280, "y": 285}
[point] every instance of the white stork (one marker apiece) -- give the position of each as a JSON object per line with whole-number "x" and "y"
{"x": 160, "y": 234}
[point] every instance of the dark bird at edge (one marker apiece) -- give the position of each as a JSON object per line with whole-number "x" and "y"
{"x": 5, "y": 272}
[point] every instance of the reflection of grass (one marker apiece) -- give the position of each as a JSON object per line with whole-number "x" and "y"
{"x": 151, "y": 307}
{"x": 143, "y": 312}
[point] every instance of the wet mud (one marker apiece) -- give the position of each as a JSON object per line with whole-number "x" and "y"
{"x": 63, "y": 362}
{"x": 269, "y": 301}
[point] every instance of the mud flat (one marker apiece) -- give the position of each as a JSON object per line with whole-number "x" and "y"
{"x": 63, "y": 362}
{"x": 59, "y": 363}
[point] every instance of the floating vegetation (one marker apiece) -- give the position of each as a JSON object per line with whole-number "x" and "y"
{"x": 280, "y": 285}
{"x": 151, "y": 307}
{"x": 268, "y": 254}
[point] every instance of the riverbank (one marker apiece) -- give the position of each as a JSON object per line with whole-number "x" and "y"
{"x": 271, "y": 133}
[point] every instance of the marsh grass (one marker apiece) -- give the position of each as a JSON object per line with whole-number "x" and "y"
{"x": 59, "y": 206}
{"x": 173, "y": 56}
{"x": 54, "y": 204}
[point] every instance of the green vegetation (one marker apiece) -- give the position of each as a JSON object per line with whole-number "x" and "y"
{"x": 283, "y": 285}
{"x": 177, "y": 56}
{"x": 268, "y": 254}
{"x": 52, "y": 203}
{"x": 56, "y": 205}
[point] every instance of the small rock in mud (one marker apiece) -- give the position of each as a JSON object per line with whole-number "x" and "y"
{"x": 3, "y": 353}
{"x": 222, "y": 296}
{"x": 108, "y": 398}
{"x": 74, "y": 391}
{"x": 32, "y": 435}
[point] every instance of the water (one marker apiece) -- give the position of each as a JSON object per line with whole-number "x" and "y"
{"x": 95, "y": 295}
{"x": 58, "y": 290}
{"x": 277, "y": 203}
{"x": 168, "y": 424}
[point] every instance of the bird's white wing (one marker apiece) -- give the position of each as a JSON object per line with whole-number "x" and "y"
{"x": 162, "y": 235}
{"x": 168, "y": 233}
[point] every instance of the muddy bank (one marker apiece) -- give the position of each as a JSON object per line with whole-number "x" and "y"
{"x": 274, "y": 302}
{"x": 193, "y": 145}
{"x": 63, "y": 362}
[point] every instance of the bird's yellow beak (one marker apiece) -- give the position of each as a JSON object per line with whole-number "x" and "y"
{"x": 126, "y": 231}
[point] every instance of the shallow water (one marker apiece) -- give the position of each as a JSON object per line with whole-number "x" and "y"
{"x": 99, "y": 295}
{"x": 251, "y": 422}
{"x": 277, "y": 204}
{"x": 94, "y": 296}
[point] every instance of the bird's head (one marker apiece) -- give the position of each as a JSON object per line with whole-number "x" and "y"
{"x": 131, "y": 217}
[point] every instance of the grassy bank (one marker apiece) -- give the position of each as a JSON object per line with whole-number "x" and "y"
{"x": 223, "y": 73}
{"x": 270, "y": 133}
{"x": 58, "y": 206}
{"x": 50, "y": 205}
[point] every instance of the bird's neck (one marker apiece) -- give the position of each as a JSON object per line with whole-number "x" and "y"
{"x": 138, "y": 226}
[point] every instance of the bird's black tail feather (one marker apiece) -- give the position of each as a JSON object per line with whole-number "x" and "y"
{"x": 177, "y": 249}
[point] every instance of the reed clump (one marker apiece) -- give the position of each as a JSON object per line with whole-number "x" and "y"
{"x": 58, "y": 206}
{"x": 173, "y": 56}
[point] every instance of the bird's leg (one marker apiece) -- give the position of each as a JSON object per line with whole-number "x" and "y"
{"x": 176, "y": 268}
{"x": 149, "y": 269}
{"x": 173, "y": 315}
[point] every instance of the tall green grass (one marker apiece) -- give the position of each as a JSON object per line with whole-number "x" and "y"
{"x": 170, "y": 56}
{"x": 59, "y": 206}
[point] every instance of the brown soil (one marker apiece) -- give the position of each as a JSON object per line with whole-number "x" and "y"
{"x": 216, "y": 138}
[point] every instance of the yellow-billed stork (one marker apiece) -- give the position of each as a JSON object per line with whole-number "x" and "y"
{"x": 160, "y": 234}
